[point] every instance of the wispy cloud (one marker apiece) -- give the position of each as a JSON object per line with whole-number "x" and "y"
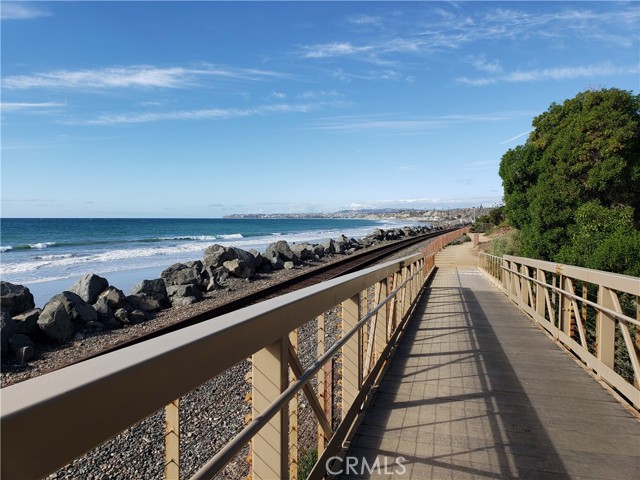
{"x": 21, "y": 11}
{"x": 442, "y": 29}
{"x": 14, "y": 106}
{"x": 200, "y": 114}
{"x": 367, "y": 20}
{"x": 520, "y": 135}
{"x": 144, "y": 76}
{"x": 557, "y": 73}
{"x": 425, "y": 202}
{"x": 334, "y": 49}
{"x": 398, "y": 124}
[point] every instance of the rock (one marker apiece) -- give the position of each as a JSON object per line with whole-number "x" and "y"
{"x": 182, "y": 301}
{"x": 183, "y": 291}
{"x": 183, "y": 274}
{"x": 113, "y": 297}
{"x": 121, "y": 315}
{"x": 277, "y": 263}
{"x": 318, "y": 251}
{"x": 93, "y": 327}
{"x": 147, "y": 302}
{"x": 7, "y": 330}
{"x": 243, "y": 264}
{"x": 282, "y": 250}
{"x": 137, "y": 316}
{"x": 341, "y": 244}
{"x": 302, "y": 251}
{"x": 216, "y": 255}
{"x": 89, "y": 287}
{"x": 27, "y": 322}
{"x": 105, "y": 314}
{"x": 378, "y": 234}
{"x": 155, "y": 290}
{"x": 25, "y": 354}
{"x": 238, "y": 268}
{"x": 65, "y": 314}
{"x": 217, "y": 277}
{"x": 289, "y": 265}
{"x": 260, "y": 260}
{"x": 329, "y": 247}
{"x": 15, "y": 299}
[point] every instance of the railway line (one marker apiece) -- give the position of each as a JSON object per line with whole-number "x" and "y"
{"x": 352, "y": 263}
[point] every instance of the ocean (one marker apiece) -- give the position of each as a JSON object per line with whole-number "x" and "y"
{"x": 49, "y": 255}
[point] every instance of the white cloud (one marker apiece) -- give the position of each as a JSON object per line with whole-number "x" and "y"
{"x": 20, "y": 11}
{"x": 557, "y": 73}
{"x": 200, "y": 114}
{"x": 442, "y": 29}
{"x": 132, "y": 76}
{"x": 368, "y": 20}
{"x": 426, "y": 202}
{"x": 334, "y": 49}
{"x": 396, "y": 124}
{"x": 481, "y": 63}
{"x": 13, "y": 106}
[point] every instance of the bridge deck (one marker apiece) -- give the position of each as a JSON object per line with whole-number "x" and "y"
{"x": 476, "y": 390}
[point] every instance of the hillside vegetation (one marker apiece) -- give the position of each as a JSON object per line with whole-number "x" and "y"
{"x": 573, "y": 189}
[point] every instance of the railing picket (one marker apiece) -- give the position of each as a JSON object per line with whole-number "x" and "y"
{"x": 270, "y": 375}
{"x": 172, "y": 440}
{"x": 558, "y": 310}
{"x": 351, "y": 354}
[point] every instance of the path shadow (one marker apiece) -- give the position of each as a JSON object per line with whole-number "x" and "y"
{"x": 464, "y": 415}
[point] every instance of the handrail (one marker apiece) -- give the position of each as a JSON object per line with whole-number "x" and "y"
{"x": 214, "y": 465}
{"x": 561, "y": 311}
{"x": 55, "y": 414}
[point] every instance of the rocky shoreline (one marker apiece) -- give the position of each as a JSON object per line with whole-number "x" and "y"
{"x": 91, "y": 315}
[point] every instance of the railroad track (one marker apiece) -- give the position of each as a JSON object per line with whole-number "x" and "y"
{"x": 348, "y": 265}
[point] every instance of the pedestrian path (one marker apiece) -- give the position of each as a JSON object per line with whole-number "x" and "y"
{"x": 477, "y": 390}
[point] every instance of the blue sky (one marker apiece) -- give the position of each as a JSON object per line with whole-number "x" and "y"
{"x": 180, "y": 109}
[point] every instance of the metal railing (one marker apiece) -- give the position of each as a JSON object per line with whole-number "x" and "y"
{"x": 595, "y": 314}
{"x": 63, "y": 414}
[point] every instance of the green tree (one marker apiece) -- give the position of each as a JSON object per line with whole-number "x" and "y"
{"x": 585, "y": 151}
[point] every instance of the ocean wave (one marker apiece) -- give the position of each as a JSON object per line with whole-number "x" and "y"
{"x": 6, "y": 249}
{"x": 186, "y": 237}
{"x": 41, "y": 245}
{"x": 54, "y": 257}
{"x": 231, "y": 236}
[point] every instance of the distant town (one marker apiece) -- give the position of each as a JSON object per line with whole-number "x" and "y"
{"x": 434, "y": 216}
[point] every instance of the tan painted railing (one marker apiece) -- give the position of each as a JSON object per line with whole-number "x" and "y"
{"x": 595, "y": 314}
{"x": 50, "y": 420}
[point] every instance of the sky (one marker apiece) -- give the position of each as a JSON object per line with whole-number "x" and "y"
{"x": 204, "y": 109}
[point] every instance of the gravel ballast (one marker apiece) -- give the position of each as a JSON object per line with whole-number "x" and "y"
{"x": 210, "y": 415}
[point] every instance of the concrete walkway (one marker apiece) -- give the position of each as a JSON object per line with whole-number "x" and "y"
{"x": 476, "y": 390}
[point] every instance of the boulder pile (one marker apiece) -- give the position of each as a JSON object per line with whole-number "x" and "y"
{"x": 92, "y": 305}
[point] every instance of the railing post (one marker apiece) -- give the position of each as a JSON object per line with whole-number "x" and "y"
{"x": 293, "y": 417}
{"x": 269, "y": 447}
{"x": 605, "y": 329}
{"x": 540, "y": 293}
{"x": 524, "y": 284}
{"x": 351, "y": 354}
{"x": 565, "y": 304}
{"x": 320, "y": 382}
{"x": 380, "y": 339}
{"x": 172, "y": 441}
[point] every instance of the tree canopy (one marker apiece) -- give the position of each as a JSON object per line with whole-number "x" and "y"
{"x": 573, "y": 188}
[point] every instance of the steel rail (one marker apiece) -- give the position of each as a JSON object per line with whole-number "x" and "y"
{"x": 277, "y": 289}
